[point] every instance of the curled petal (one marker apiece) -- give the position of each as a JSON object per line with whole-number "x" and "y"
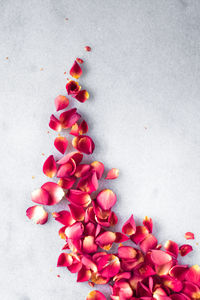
{"x": 95, "y": 295}
{"x": 76, "y": 265}
{"x": 88, "y": 48}
{"x": 82, "y": 170}
{"x": 149, "y": 242}
{"x": 67, "y": 169}
{"x": 75, "y": 130}
{"x": 89, "y": 263}
{"x": 174, "y": 284}
{"x": 112, "y": 174}
{"x": 74, "y": 231}
{"x": 55, "y": 191}
{"x": 127, "y": 252}
{"x": 66, "y": 183}
{"x": 89, "y": 245}
{"x": 98, "y": 167}
{"x": 185, "y": 249}
{"x": 90, "y": 229}
{"x": 83, "y": 128}
{"x": 129, "y": 226}
{"x": 75, "y": 245}
{"x": 123, "y": 275}
{"x": 77, "y": 212}
{"x": 189, "y": 236}
{"x": 76, "y": 156}
{"x": 78, "y": 198}
{"x": 108, "y": 265}
{"x": 83, "y": 144}
{"x": 64, "y": 217}
{"x": 37, "y": 214}
{"x": 97, "y": 278}
{"x": 120, "y": 237}
{"x": 84, "y": 274}
{"x": 64, "y": 260}
{"x": 55, "y": 124}
{"x": 82, "y": 96}
{"x": 193, "y": 274}
{"x": 148, "y": 223}
{"x": 61, "y": 102}
{"x": 49, "y": 167}
{"x": 41, "y": 196}
{"x": 140, "y": 234}
{"x": 112, "y": 219}
{"x": 178, "y": 271}
{"x": 75, "y": 70}
{"x": 160, "y": 257}
{"x": 106, "y": 239}
{"x": 61, "y": 144}
{"x": 88, "y": 183}
{"x": 61, "y": 232}
{"x": 106, "y": 199}
{"x": 72, "y": 87}
{"x": 69, "y": 117}
{"x": 172, "y": 248}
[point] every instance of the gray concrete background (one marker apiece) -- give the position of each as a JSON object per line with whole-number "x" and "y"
{"x": 143, "y": 75}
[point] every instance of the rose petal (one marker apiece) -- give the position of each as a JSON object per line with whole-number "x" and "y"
{"x": 41, "y": 196}
{"x": 174, "y": 284}
{"x": 98, "y": 167}
{"x": 76, "y": 265}
{"x": 37, "y": 214}
{"x": 83, "y": 144}
{"x": 123, "y": 275}
{"x": 79, "y": 60}
{"x": 178, "y": 271}
{"x": 90, "y": 229}
{"x": 193, "y": 274}
{"x": 66, "y": 183}
{"x": 112, "y": 174}
{"x": 148, "y": 223}
{"x": 69, "y": 117}
{"x": 61, "y": 144}
{"x": 49, "y": 167}
{"x": 192, "y": 290}
{"x": 75, "y": 245}
{"x": 64, "y": 217}
{"x": 172, "y": 248}
{"x": 55, "y": 124}
{"x": 189, "y": 236}
{"x": 106, "y": 239}
{"x": 64, "y": 260}
{"x": 75, "y": 70}
{"x": 120, "y": 237}
{"x": 78, "y": 198}
{"x": 72, "y": 87}
{"x": 149, "y": 242}
{"x": 106, "y": 199}
{"x": 88, "y": 183}
{"x": 82, "y": 96}
{"x": 108, "y": 265}
{"x": 160, "y": 257}
{"x": 127, "y": 252}
{"x": 88, "y": 48}
{"x": 83, "y": 128}
{"x": 89, "y": 245}
{"x": 77, "y": 212}
{"x": 76, "y": 156}
{"x": 75, "y": 231}
{"x": 75, "y": 130}
{"x": 61, "y": 233}
{"x": 61, "y": 102}
{"x": 84, "y": 274}
{"x": 82, "y": 170}
{"x": 185, "y": 249}
{"x": 95, "y": 295}
{"x": 129, "y": 226}
{"x": 67, "y": 170}
{"x": 140, "y": 234}
{"x": 55, "y": 191}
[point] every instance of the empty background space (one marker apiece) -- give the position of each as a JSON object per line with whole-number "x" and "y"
{"x": 143, "y": 75}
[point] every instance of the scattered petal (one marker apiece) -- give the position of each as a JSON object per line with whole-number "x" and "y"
{"x": 88, "y": 183}
{"x": 82, "y": 96}
{"x": 66, "y": 183}
{"x": 83, "y": 128}
{"x": 64, "y": 217}
{"x": 83, "y": 144}
{"x": 172, "y": 248}
{"x": 77, "y": 212}
{"x": 84, "y": 274}
{"x": 74, "y": 231}
{"x": 61, "y": 144}
{"x": 79, "y": 60}
{"x": 140, "y": 234}
{"x": 61, "y": 102}
{"x": 106, "y": 239}
{"x": 72, "y": 87}
{"x": 129, "y": 226}
{"x": 76, "y": 156}
{"x": 41, "y": 196}
{"x": 106, "y": 199}
{"x": 127, "y": 252}
{"x": 75, "y": 130}
{"x": 55, "y": 124}
{"x": 149, "y": 242}
{"x": 108, "y": 265}
{"x": 64, "y": 260}
{"x": 78, "y": 198}
{"x": 75, "y": 70}
{"x": 95, "y": 295}
{"x": 82, "y": 170}
{"x": 49, "y": 167}
{"x": 185, "y": 249}
{"x": 112, "y": 174}
{"x": 37, "y": 214}
{"x": 55, "y": 191}
{"x": 89, "y": 245}
{"x": 67, "y": 170}
{"x": 87, "y": 48}
{"x": 148, "y": 223}
{"x": 189, "y": 236}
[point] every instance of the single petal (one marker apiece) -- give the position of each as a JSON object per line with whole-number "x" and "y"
{"x": 149, "y": 242}
{"x": 75, "y": 129}
{"x": 76, "y": 265}
{"x": 97, "y": 278}
{"x": 140, "y": 234}
{"x": 76, "y": 156}
{"x": 78, "y": 198}
{"x": 98, "y": 167}
{"x": 185, "y": 249}
{"x": 148, "y": 223}
{"x": 88, "y": 183}
{"x": 55, "y": 191}
{"x": 83, "y": 144}
{"x": 106, "y": 199}
{"x": 74, "y": 231}
{"x": 95, "y": 295}
{"x": 75, "y": 245}
{"x": 124, "y": 289}
{"x": 83, "y": 128}
{"x": 77, "y": 212}
{"x": 193, "y": 274}
{"x": 67, "y": 183}
{"x": 69, "y": 117}
{"x": 37, "y": 214}
{"x": 127, "y": 252}
{"x": 112, "y": 174}
{"x": 106, "y": 239}
{"x": 89, "y": 245}
{"x": 79, "y": 60}
{"x": 75, "y": 70}
{"x": 178, "y": 271}
{"x": 82, "y": 170}
{"x": 82, "y": 96}
{"x": 55, "y": 124}
{"x": 189, "y": 236}
{"x": 64, "y": 217}
{"x": 61, "y": 102}
{"x": 61, "y": 232}
{"x": 72, "y": 87}
{"x": 108, "y": 265}
{"x": 64, "y": 260}
{"x": 67, "y": 170}
{"x": 120, "y": 237}
{"x": 84, "y": 274}
{"x": 90, "y": 229}
{"x": 129, "y": 226}
{"x": 88, "y": 48}
{"x": 172, "y": 248}
{"x": 41, "y": 196}
{"x": 49, "y": 167}
{"x": 160, "y": 257}
{"x": 61, "y": 144}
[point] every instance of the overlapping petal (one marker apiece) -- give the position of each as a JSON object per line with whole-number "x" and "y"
{"x": 37, "y": 214}
{"x": 89, "y": 245}
{"x": 106, "y": 199}
{"x": 75, "y": 231}
{"x": 106, "y": 239}
{"x": 139, "y": 235}
{"x": 83, "y": 144}
{"x": 55, "y": 191}
{"x": 98, "y": 167}
{"x": 172, "y": 248}
{"x": 76, "y": 156}
{"x": 72, "y": 87}
{"x": 64, "y": 217}
{"x": 41, "y": 196}
{"x": 67, "y": 170}
{"x": 148, "y": 223}
{"x": 49, "y": 167}
{"x": 129, "y": 226}
{"x": 55, "y": 124}
{"x": 69, "y": 117}
{"x": 78, "y": 198}
{"x": 149, "y": 242}
{"x": 67, "y": 183}
{"x": 108, "y": 265}
{"x": 82, "y": 96}
{"x": 95, "y": 295}
{"x": 83, "y": 128}
{"x": 88, "y": 183}
{"x": 64, "y": 260}
{"x": 77, "y": 212}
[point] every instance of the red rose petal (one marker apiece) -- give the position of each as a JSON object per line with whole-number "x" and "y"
{"x": 148, "y": 223}
{"x": 66, "y": 183}
{"x": 64, "y": 260}
{"x": 76, "y": 156}
{"x": 37, "y": 214}
{"x": 106, "y": 199}
{"x": 189, "y": 236}
{"x": 75, "y": 70}
{"x": 106, "y": 239}
{"x": 41, "y": 196}
{"x": 172, "y": 248}
{"x": 49, "y": 167}
{"x": 75, "y": 231}
{"x": 77, "y": 212}
{"x": 61, "y": 144}
{"x": 67, "y": 170}
{"x": 79, "y": 60}
{"x": 55, "y": 124}
{"x": 89, "y": 245}
{"x": 112, "y": 174}
{"x": 82, "y": 170}
{"x": 82, "y": 96}
{"x": 61, "y": 102}
{"x": 88, "y": 183}
{"x": 69, "y": 117}
{"x": 55, "y": 191}
{"x": 72, "y": 87}
{"x": 140, "y": 234}
{"x": 87, "y": 48}
{"x": 98, "y": 167}
{"x": 83, "y": 128}
{"x": 78, "y": 198}
{"x": 108, "y": 265}
{"x": 95, "y": 295}
{"x": 83, "y": 144}
{"x": 129, "y": 226}
{"x": 149, "y": 242}
{"x": 185, "y": 249}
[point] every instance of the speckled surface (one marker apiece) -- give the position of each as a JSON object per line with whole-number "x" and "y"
{"x": 143, "y": 75}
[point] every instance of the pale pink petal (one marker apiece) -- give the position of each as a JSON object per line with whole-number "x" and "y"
{"x": 37, "y": 214}
{"x": 106, "y": 199}
{"x": 41, "y": 196}
{"x": 112, "y": 174}
{"x": 55, "y": 191}
{"x": 55, "y": 124}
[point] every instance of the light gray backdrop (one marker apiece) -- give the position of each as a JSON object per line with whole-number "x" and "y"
{"x": 143, "y": 75}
